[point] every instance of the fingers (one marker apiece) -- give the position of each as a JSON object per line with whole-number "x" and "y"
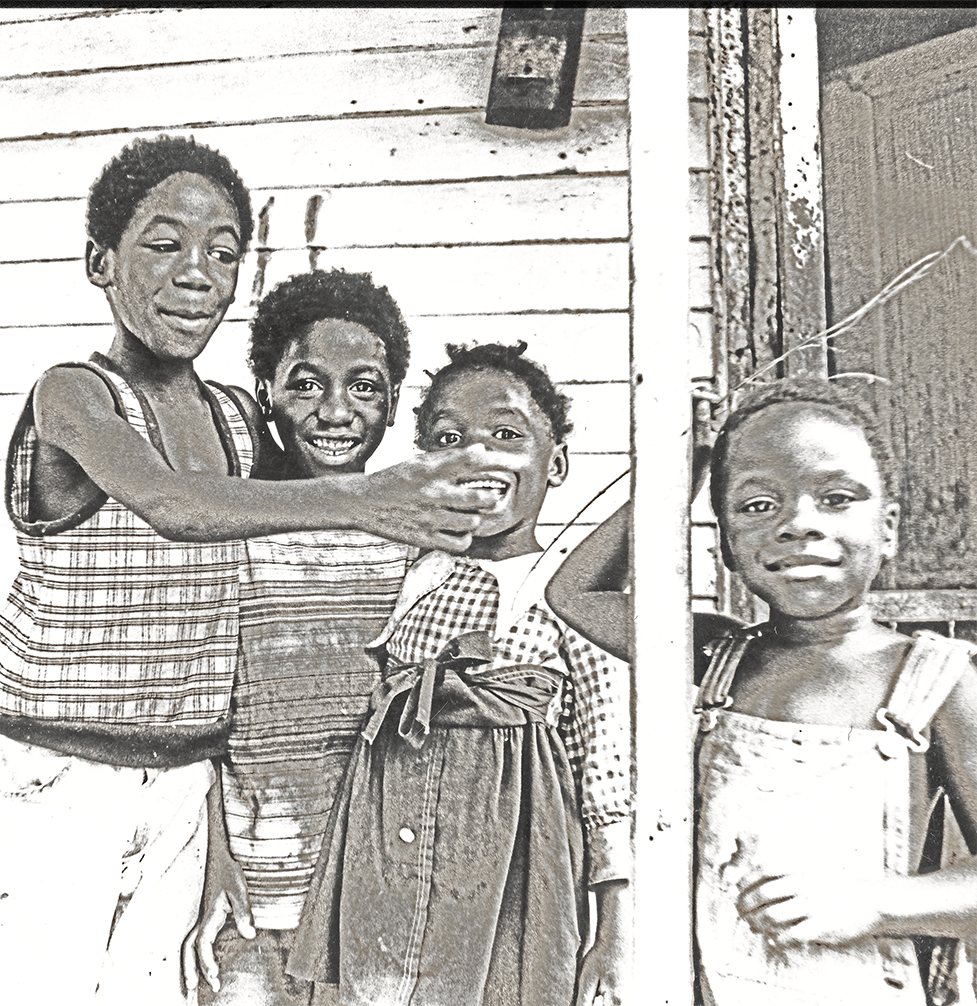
{"x": 765, "y": 891}
{"x": 446, "y": 541}
{"x": 468, "y": 501}
{"x": 771, "y": 905}
{"x": 587, "y": 985}
{"x": 209, "y": 929}
{"x": 190, "y": 962}
{"x": 450, "y": 522}
{"x": 241, "y": 907}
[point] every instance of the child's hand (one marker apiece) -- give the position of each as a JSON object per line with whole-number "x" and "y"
{"x": 425, "y": 502}
{"x": 225, "y": 891}
{"x": 798, "y": 908}
{"x": 604, "y": 966}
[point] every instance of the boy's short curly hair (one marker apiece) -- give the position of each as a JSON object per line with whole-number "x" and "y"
{"x": 292, "y": 306}
{"x": 814, "y": 391}
{"x": 141, "y": 166}
{"x": 508, "y": 360}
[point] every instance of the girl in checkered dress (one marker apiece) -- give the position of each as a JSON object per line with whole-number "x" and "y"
{"x": 491, "y": 785}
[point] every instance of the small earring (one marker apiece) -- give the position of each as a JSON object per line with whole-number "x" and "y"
{"x": 264, "y": 402}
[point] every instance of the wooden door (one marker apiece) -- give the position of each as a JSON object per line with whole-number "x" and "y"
{"x": 900, "y": 181}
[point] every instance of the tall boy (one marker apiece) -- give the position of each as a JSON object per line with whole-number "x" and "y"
{"x": 119, "y": 638}
{"x": 329, "y": 351}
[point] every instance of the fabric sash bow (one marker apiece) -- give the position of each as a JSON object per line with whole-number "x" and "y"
{"x": 528, "y": 687}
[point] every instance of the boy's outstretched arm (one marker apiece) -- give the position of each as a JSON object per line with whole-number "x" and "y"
{"x": 418, "y": 501}
{"x": 225, "y": 890}
{"x": 587, "y": 591}
{"x": 603, "y": 970}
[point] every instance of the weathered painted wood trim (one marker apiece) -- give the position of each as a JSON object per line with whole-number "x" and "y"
{"x": 801, "y": 213}
{"x": 924, "y": 605}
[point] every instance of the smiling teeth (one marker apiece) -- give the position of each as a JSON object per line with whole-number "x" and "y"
{"x": 333, "y": 446}
{"x": 496, "y": 484}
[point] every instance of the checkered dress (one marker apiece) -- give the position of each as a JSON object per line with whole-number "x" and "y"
{"x": 456, "y": 865}
{"x": 116, "y": 643}
{"x": 595, "y": 708}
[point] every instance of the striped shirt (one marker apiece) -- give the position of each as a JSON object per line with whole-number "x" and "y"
{"x": 309, "y": 604}
{"x": 116, "y": 643}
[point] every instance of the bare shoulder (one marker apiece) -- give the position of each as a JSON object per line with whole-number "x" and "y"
{"x": 955, "y": 749}
{"x": 960, "y": 709}
{"x": 67, "y": 394}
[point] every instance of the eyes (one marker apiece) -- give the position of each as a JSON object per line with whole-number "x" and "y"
{"x": 836, "y": 499}
{"x": 450, "y": 438}
{"x": 226, "y": 254}
{"x": 360, "y": 388}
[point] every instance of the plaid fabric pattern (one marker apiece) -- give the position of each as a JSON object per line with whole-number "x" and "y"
{"x": 107, "y": 621}
{"x": 595, "y": 722}
{"x": 309, "y": 604}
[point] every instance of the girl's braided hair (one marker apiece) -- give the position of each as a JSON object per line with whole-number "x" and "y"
{"x": 508, "y": 360}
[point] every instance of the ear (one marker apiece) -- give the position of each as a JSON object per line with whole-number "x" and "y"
{"x": 559, "y": 466}
{"x": 392, "y": 407}
{"x": 98, "y": 265}
{"x": 890, "y": 526}
{"x": 263, "y": 393}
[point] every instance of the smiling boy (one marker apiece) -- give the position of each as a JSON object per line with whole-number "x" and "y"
{"x": 118, "y": 641}
{"x": 329, "y": 351}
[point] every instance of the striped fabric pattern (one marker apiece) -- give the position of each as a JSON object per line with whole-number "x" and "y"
{"x": 309, "y": 604}
{"x": 108, "y": 622}
{"x": 596, "y": 715}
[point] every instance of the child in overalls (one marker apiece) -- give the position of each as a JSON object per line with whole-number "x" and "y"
{"x": 814, "y": 727}
{"x": 475, "y": 816}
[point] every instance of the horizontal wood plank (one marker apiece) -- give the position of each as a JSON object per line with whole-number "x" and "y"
{"x": 574, "y": 347}
{"x": 547, "y": 209}
{"x": 400, "y": 149}
{"x": 479, "y": 280}
{"x": 306, "y": 85}
{"x": 190, "y": 35}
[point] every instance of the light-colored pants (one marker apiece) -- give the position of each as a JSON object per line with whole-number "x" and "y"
{"x": 101, "y": 875}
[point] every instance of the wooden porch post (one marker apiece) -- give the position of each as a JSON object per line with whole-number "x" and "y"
{"x": 658, "y": 45}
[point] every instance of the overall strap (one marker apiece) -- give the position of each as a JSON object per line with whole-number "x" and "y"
{"x": 235, "y": 427}
{"x": 23, "y": 449}
{"x": 930, "y": 671}
{"x": 714, "y": 690}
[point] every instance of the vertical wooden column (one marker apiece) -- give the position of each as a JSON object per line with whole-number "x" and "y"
{"x": 658, "y": 45}
{"x": 802, "y": 301}
{"x": 766, "y": 209}
{"x": 766, "y": 190}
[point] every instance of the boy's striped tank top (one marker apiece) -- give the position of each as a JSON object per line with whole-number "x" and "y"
{"x": 115, "y": 643}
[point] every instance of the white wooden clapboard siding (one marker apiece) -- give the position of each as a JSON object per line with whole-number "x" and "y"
{"x": 704, "y": 533}
{"x": 117, "y": 39}
{"x": 487, "y": 212}
{"x": 482, "y": 233}
{"x": 347, "y": 151}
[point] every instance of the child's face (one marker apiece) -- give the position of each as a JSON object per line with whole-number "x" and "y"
{"x": 494, "y": 411}
{"x": 331, "y": 397}
{"x": 172, "y": 277}
{"x": 805, "y": 516}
